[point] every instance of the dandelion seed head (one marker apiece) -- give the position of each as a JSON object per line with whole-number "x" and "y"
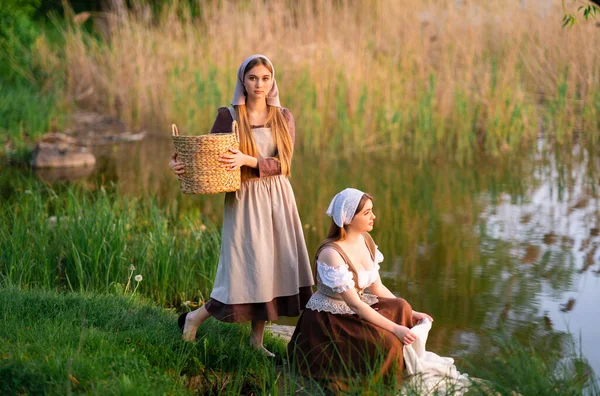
{"x": 131, "y": 267}
{"x": 139, "y": 278}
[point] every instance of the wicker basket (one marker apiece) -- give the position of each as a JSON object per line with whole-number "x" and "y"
{"x": 204, "y": 174}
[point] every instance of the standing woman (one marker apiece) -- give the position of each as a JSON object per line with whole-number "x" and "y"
{"x": 264, "y": 270}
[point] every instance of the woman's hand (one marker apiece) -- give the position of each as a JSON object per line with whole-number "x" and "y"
{"x": 236, "y": 160}
{"x": 405, "y": 335}
{"x": 418, "y": 316}
{"x": 177, "y": 167}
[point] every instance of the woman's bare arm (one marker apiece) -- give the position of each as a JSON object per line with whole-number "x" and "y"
{"x": 351, "y": 298}
{"x": 379, "y": 289}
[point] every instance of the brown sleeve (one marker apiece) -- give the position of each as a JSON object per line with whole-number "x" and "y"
{"x": 291, "y": 123}
{"x": 271, "y": 166}
{"x": 223, "y": 121}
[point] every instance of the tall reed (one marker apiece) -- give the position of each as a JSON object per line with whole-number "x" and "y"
{"x": 427, "y": 77}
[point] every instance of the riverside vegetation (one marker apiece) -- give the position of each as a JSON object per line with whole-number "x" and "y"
{"x": 73, "y": 323}
{"x": 423, "y": 79}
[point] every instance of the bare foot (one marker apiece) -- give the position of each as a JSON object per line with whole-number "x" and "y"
{"x": 189, "y": 329}
{"x": 261, "y": 348}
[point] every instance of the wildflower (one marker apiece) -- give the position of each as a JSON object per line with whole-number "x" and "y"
{"x": 138, "y": 278}
{"x": 131, "y": 268}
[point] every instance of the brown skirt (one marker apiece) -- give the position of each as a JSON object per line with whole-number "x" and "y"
{"x": 337, "y": 348}
{"x": 272, "y": 310}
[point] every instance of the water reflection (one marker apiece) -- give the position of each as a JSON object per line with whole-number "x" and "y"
{"x": 509, "y": 243}
{"x": 553, "y": 233}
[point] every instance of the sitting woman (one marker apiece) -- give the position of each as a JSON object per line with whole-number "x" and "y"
{"x": 345, "y": 332}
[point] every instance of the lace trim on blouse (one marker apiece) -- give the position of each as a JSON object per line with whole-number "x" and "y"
{"x": 323, "y": 303}
{"x": 333, "y": 281}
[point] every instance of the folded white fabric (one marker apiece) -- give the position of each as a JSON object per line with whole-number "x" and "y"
{"x": 430, "y": 373}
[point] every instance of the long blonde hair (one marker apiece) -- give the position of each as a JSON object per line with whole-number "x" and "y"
{"x": 275, "y": 120}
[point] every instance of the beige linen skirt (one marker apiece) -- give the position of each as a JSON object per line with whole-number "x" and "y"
{"x": 264, "y": 270}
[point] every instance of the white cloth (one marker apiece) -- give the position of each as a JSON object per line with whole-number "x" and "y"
{"x": 430, "y": 373}
{"x": 343, "y": 206}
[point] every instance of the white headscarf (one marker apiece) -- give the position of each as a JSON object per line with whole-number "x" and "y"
{"x": 239, "y": 96}
{"x": 344, "y": 205}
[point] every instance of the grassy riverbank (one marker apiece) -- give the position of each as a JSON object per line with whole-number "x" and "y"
{"x": 70, "y": 322}
{"x": 87, "y": 239}
{"x": 89, "y": 343}
{"x": 85, "y": 343}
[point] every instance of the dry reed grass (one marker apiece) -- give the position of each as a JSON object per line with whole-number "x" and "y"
{"x": 421, "y": 75}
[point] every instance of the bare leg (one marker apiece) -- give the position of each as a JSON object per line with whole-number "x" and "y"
{"x": 193, "y": 320}
{"x": 256, "y": 338}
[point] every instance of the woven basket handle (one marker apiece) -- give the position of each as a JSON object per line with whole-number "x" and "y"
{"x": 174, "y": 130}
{"x": 236, "y": 131}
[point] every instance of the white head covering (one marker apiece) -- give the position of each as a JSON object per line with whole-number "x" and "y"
{"x": 239, "y": 97}
{"x": 344, "y": 205}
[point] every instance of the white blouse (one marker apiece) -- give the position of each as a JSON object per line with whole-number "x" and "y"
{"x": 340, "y": 279}
{"x": 333, "y": 281}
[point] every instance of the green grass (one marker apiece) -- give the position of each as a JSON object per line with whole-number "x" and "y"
{"x": 26, "y": 113}
{"x": 52, "y": 343}
{"x": 515, "y": 367}
{"x": 94, "y": 343}
{"x": 67, "y": 238}
{"x": 32, "y": 100}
